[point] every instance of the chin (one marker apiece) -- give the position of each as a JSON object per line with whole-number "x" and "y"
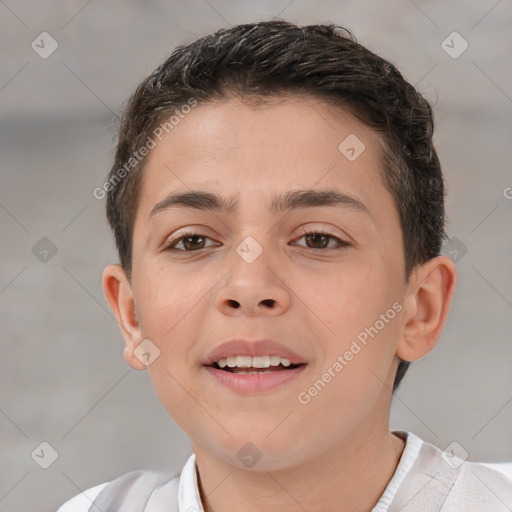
{"x": 260, "y": 454}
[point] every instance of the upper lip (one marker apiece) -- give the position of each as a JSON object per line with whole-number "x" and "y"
{"x": 263, "y": 347}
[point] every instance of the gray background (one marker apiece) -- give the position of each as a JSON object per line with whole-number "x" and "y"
{"x": 63, "y": 378}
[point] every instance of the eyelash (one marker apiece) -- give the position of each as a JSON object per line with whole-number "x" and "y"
{"x": 342, "y": 244}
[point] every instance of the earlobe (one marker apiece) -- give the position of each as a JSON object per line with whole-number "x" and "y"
{"x": 428, "y": 301}
{"x": 119, "y": 294}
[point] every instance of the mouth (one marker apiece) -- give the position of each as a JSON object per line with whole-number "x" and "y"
{"x": 253, "y": 366}
{"x": 258, "y": 365}
{"x": 253, "y": 375}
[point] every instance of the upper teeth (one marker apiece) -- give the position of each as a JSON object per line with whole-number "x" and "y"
{"x": 255, "y": 362}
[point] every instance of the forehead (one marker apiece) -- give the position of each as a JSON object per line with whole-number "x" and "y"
{"x": 262, "y": 150}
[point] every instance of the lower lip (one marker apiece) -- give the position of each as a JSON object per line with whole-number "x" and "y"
{"x": 243, "y": 383}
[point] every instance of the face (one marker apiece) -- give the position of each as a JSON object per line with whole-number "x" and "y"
{"x": 319, "y": 278}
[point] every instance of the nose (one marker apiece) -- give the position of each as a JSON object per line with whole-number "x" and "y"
{"x": 254, "y": 288}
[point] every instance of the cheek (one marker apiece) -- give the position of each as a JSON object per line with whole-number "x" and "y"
{"x": 358, "y": 351}
{"x": 165, "y": 300}
{"x": 357, "y": 306}
{"x": 173, "y": 391}
{"x": 349, "y": 297}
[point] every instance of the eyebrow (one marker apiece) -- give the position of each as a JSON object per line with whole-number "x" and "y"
{"x": 294, "y": 199}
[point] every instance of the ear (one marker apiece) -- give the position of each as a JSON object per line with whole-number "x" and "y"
{"x": 118, "y": 292}
{"x": 428, "y": 299}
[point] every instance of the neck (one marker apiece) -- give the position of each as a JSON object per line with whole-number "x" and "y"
{"x": 351, "y": 477}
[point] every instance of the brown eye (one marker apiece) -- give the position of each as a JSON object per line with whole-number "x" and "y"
{"x": 319, "y": 240}
{"x": 316, "y": 240}
{"x": 190, "y": 242}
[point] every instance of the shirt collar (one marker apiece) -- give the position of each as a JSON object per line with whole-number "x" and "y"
{"x": 189, "y": 499}
{"x": 409, "y": 455}
{"x": 188, "y": 490}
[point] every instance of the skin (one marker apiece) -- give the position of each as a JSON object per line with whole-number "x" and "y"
{"x": 337, "y": 451}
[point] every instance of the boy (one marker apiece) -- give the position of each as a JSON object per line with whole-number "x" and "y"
{"x": 278, "y": 208}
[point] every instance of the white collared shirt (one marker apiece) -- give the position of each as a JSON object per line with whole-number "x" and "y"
{"x": 425, "y": 480}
